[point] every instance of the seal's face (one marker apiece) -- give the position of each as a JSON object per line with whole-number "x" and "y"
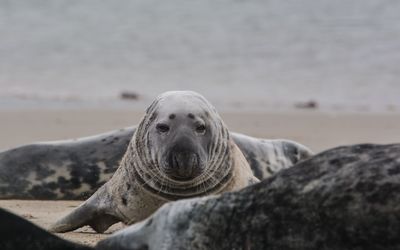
{"x": 180, "y": 137}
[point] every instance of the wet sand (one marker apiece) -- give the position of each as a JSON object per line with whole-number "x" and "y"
{"x": 318, "y": 130}
{"x": 315, "y": 129}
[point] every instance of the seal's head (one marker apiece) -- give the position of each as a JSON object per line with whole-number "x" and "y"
{"x": 180, "y": 136}
{"x": 180, "y": 132}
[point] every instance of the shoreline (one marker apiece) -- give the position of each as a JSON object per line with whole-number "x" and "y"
{"x": 138, "y": 102}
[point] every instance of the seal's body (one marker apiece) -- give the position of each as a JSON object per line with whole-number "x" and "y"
{"x": 343, "y": 198}
{"x": 18, "y": 233}
{"x": 181, "y": 149}
{"x": 75, "y": 169}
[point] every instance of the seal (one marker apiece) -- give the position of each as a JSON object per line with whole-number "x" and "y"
{"x": 18, "y": 233}
{"x": 68, "y": 170}
{"x": 343, "y": 198}
{"x": 267, "y": 157}
{"x": 181, "y": 149}
{"x": 75, "y": 169}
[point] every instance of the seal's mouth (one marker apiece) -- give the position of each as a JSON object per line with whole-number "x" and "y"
{"x": 183, "y": 166}
{"x": 181, "y": 179}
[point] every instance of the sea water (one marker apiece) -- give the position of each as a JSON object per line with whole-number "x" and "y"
{"x": 240, "y": 54}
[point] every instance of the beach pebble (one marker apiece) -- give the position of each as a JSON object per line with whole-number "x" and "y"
{"x": 129, "y": 95}
{"x": 307, "y": 105}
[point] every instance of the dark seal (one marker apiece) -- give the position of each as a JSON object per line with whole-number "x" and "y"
{"x": 344, "y": 198}
{"x": 18, "y": 233}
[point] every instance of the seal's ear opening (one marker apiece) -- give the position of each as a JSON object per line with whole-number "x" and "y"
{"x": 18, "y": 233}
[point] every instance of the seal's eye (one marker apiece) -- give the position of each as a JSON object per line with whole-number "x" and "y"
{"x": 163, "y": 128}
{"x": 201, "y": 129}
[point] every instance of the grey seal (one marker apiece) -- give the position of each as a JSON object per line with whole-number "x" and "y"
{"x": 181, "y": 149}
{"x": 344, "y": 198}
{"x": 75, "y": 169}
{"x": 18, "y": 233}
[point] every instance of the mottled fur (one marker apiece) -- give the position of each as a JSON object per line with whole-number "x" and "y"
{"x": 344, "y": 198}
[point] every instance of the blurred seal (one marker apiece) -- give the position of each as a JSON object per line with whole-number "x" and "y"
{"x": 18, "y": 233}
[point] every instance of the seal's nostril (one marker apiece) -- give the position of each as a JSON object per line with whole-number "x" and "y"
{"x": 175, "y": 162}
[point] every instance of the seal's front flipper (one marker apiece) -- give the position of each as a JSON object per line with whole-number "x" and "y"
{"x": 96, "y": 212}
{"x": 82, "y": 216}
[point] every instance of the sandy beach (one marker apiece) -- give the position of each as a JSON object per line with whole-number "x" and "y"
{"x": 318, "y": 130}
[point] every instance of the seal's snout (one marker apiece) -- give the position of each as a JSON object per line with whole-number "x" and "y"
{"x": 183, "y": 164}
{"x": 185, "y": 159}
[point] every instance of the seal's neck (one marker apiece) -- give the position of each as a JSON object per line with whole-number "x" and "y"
{"x": 216, "y": 176}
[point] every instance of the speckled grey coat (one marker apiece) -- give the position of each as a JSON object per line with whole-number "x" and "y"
{"x": 344, "y": 198}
